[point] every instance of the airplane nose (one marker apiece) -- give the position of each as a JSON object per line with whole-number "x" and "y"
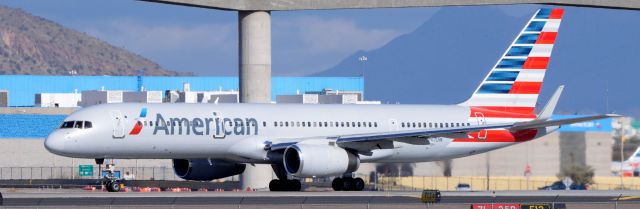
{"x": 55, "y": 143}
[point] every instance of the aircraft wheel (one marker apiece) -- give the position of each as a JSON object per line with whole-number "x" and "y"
{"x": 358, "y": 184}
{"x": 114, "y": 186}
{"x": 294, "y": 185}
{"x": 275, "y": 185}
{"x": 107, "y": 185}
{"x": 336, "y": 184}
{"x": 348, "y": 184}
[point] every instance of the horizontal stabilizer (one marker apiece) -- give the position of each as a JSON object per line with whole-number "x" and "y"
{"x": 548, "y": 109}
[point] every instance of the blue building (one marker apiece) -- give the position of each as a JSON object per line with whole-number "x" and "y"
{"x": 22, "y": 88}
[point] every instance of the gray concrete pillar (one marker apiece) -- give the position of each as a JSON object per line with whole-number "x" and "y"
{"x": 255, "y": 78}
{"x": 255, "y": 56}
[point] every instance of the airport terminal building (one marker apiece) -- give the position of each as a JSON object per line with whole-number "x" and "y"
{"x": 21, "y": 89}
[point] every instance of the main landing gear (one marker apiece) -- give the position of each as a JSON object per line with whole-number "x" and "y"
{"x": 109, "y": 181}
{"x": 283, "y": 183}
{"x": 347, "y": 184}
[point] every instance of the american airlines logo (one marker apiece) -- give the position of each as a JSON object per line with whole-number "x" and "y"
{"x": 216, "y": 126}
{"x": 139, "y": 125}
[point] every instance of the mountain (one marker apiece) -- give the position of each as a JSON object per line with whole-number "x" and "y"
{"x": 596, "y": 56}
{"x": 35, "y": 46}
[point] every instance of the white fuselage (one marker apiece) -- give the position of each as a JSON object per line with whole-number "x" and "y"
{"x": 214, "y": 131}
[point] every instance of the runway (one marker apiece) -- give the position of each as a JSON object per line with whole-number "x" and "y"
{"x": 31, "y": 198}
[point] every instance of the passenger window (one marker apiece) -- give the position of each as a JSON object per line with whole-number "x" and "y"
{"x": 402, "y": 124}
{"x": 87, "y": 124}
{"x": 264, "y": 123}
{"x": 375, "y": 124}
{"x": 353, "y": 124}
{"x": 358, "y": 124}
{"x": 419, "y": 125}
{"x": 298, "y": 124}
{"x": 281, "y": 124}
{"x": 286, "y": 124}
{"x": 414, "y": 125}
{"x": 275, "y": 124}
{"x": 78, "y": 124}
{"x": 457, "y": 124}
{"x": 468, "y": 124}
{"x": 325, "y": 124}
{"x": 341, "y": 124}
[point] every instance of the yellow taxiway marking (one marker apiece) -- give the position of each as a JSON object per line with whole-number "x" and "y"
{"x": 627, "y": 198}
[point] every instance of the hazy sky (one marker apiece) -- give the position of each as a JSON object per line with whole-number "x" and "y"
{"x": 204, "y": 41}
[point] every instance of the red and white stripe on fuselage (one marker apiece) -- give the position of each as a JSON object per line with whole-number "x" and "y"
{"x": 488, "y": 115}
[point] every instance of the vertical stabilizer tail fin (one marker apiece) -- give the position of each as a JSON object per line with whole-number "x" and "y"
{"x": 635, "y": 157}
{"x": 514, "y": 83}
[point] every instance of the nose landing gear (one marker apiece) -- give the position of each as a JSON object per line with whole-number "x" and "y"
{"x": 110, "y": 181}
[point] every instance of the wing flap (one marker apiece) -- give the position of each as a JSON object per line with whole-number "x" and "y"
{"x": 418, "y": 133}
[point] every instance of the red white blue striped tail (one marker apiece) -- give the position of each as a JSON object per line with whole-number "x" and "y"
{"x": 514, "y": 83}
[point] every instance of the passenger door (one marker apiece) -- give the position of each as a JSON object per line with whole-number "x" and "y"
{"x": 118, "y": 124}
{"x": 482, "y": 134}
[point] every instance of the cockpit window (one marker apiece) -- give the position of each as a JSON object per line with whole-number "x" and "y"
{"x": 76, "y": 124}
{"x": 67, "y": 124}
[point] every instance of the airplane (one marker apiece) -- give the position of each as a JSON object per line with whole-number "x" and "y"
{"x": 212, "y": 141}
{"x": 627, "y": 167}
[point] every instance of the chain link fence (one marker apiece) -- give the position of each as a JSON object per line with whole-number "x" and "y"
{"x": 386, "y": 183}
{"x": 129, "y": 173}
{"x": 595, "y": 205}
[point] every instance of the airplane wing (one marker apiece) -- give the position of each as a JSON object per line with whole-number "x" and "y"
{"x": 364, "y": 142}
{"x": 546, "y": 123}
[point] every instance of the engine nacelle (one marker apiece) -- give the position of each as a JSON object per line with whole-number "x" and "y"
{"x": 202, "y": 170}
{"x": 319, "y": 160}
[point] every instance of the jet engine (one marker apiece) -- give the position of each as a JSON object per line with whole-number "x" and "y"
{"x": 319, "y": 160}
{"x": 203, "y": 170}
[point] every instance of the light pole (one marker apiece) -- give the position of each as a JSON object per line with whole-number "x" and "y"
{"x": 362, "y": 60}
{"x": 621, "y": 157}
{"x": 488, "y": 169}
{"x": 621, "y": 127}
